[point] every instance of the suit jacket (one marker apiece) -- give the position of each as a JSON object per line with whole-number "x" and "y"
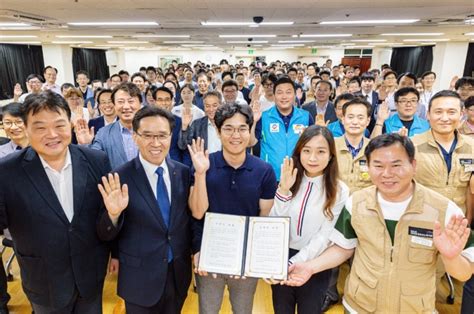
{"x": 98, "y": 123}
{"x": 109, "y": 140}
{"x": 330, "y": 111}
{"x": 198, "y": 128}
{"x": 55, "y": 255}
{"x": 143, "y": 237}
{"x": 375, "y": 107}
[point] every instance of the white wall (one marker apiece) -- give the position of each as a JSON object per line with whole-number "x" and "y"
{"x": 60, "y": 57}
{"x": 380, "y": 56}
{"x": 449, "y": 59}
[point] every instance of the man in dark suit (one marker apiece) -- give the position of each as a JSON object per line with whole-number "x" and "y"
{"x": 367, "y": 92}
{"x": 154, "y": 234}
{"x": 321, "y": 107}
{"x": 106, "y": 109}
{"x": 50, "y": 203}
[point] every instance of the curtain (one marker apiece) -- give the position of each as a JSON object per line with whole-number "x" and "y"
{"x": 412, "y": 59}
{"x": 469, "y": 67}
{"x": 16, "y": 63}
{"x": 91, "y": 60}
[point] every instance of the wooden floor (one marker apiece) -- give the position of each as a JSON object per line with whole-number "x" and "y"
{"x": 262, "y": 302}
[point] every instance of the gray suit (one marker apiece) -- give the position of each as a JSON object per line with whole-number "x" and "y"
{"x": 7, "y": 149}
{"x": 109, "y": 139}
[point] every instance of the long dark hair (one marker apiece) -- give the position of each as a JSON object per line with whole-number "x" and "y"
{"x": 330, "y": 173}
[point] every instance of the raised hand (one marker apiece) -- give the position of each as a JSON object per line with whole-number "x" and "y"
{"x": 383, "y": 112}
{"x": 403, "y": 131}
{"x": 451, "y": 241}
{"x": 84, "y": 135}
{"x": 299, "y": 93}
{"x": 319, "y": 120}
{"x": 288, "y": 175}
{"x": 17, "y": 91}
{"x": 383, "y": 92}
{"x": 452, "y": 84}
{"x": 115, "y": 196}
{"x": 186, "y": 118}
{"x": 90, "y": 109}
{"x": 256, "y": 110}
{"x": 199, "y": 156}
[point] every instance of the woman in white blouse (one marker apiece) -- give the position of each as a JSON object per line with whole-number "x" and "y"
{"x": 313, "y": 196}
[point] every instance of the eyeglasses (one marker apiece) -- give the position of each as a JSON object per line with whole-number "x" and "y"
{"x": 151, "y": 137}
{"x": 268, "y": 85}
{"x": 229, "y": 131}
{"x": 406, "y": 101}
{"x": 35, "y": 82}
{"x": 18, "y": 123}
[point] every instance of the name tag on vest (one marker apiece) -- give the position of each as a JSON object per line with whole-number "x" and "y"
{"x": 467, "y": 163}
{"x": 421, "y": 236}
{"x": 274, "y": 127}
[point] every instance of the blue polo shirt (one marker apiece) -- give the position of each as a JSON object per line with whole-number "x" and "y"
{"x": 238, "y": 191}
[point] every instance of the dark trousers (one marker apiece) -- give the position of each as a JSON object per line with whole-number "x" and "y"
{"x": 467, "y": 306}
{"x": 4, "y": 296}
{"x": 169, "y": 303}
{"x": 78, "y": 305}
{"x": 306, "y": 299}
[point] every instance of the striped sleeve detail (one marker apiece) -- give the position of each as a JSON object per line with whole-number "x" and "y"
{"x": 304, "y": 204}
{"x": 283, "y": 198}
{"x": 344, "y": 234}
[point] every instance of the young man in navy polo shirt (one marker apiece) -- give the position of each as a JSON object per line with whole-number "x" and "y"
{"x": 233, "y": 182}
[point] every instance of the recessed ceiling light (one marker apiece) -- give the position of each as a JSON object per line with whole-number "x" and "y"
{"x": 248, "y": 42}
{"x": 113, "y": 24}
{"x": 369, "y": 22}
{"x": 326, "y": 35}
{"x": 160, "y": 36}
{"x": 14, "y": 24}
{"x": 369, "y": 40}
{"x": 18, "y": 36}
{"x": 183, "y": 42}
{"x": 412, "y": 34}
{"x": 127, "y": 42}
{"x": 21, "y": 42}
{"x": 288, "y": 45}
{"x": 429, "y": 39}
{"x": 295, "y": 41}
{"x": 469, "y": 34}
{"x": 71, "y": 42}
{"x": 245, "y": 23}
{"x": 83, "y": 36}
{"x": 190, "y": 45}
{"x": 247, "y": 36}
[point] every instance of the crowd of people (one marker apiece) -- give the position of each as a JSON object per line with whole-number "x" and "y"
{"x": 373, "y": 167}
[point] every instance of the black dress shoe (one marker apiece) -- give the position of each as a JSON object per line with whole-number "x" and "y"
{"x": 327, "y": 303}
{"x": 4, "y": 310}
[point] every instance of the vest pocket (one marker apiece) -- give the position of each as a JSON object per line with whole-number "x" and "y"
{"x": 420, "y": 254}
{"x": 415, "y": 298}
{"x": 363, "y": 286}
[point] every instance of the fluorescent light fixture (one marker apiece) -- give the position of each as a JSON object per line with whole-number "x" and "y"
{"x": 112, "y": 45}
{"x": 161, "y": 36}
{"x": 17, "y": 36}
{"x": 325, "y": 35}
{"x": 294, "y": 36}
{"x": 83, "y": 36}
{"x": 248, "y": 42}
{"x": 467, "y": 34}
{"x": 179, "y": 49}
{"x": 247, "y": 36}
{"x": 245, "y": 23}
{"x": 22, "y": 42}
{"x": 197, "y": 45}
{"x": 428, "y": 43}
{"x": 295, "y": 41}
{"x": 257, "y": 45}
{"x": 14, "y": 24}
{"x": 183, "y": 42}
{"x": 412, "y": 34}
{"x": 370, "y": 22}
{"x": 364, "y": 46}
{"x": 71, "y": 42}
{"x": 368, "y": 40}
{"x": 380, "y": 44}
{"x": 429, "y": 39}
{"x": 127, "y": 42}
{"x": 113, "y": 24}
{"x": 288, "y": 45}
{"x": 348, "y": 44}
{"x": 470, "y": 21}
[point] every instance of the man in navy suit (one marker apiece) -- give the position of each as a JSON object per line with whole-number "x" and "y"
{"x": 321, "y": 108}
{"x": 107, "y": 111}
{"x": 154, "y": 233}
{"x": 50, "y": 203}
{"x": 367, "y": 92}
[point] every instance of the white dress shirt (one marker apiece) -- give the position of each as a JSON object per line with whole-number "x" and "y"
{"x": 152, "y": 176}
{"x": 213, "y": 141}
{"x": 62, "y": 184}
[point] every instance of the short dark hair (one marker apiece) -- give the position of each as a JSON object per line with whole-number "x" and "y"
{"x": 212, "y": 93}
{"x": 389, "y": 139}
{"x": 227, "y": 73}
{"x": 230, "y": 83}
{"x": 357, "y": 101}
{"x": 269, "y": 77}
{"x": 151, "y": 111}
{"x": 46, "y": 100}
{"x": 407, "y": 74}
{"x": 66, "y": 85}
{"x": 82, "y": 72}
{"x": 444, "y": 93}
{"x": 122, "y": 72}
{"x": 188, "y": 86}
{"x": 35, "y": 76}
{"x": 389, "y": 73}
{"x": 405, "y": 91}
{"x": 324, "y": 82}
{"x": 50, "y": 67}
{"x": 116, "y": 75}
{"x": 129, "y": 88}
{"x": 345, "y": 96}
{"x": 355, "y": 79}
{"x": 228, "y": 111}
{"x": 469, "y": 102}
{"x": 292, "y": 70}
{"x": 464, "y": 81}
{"x": 367, "y": 76}
{"x": 283, "y": 80}
{"x": 13, "y": 109}
{"x": 103, "y": 91}
{"x": 325, "y": 72}
{"x": 163, "y": 89}
{"x": 138, "y": 74}
{"x": 239, "y": 74}
{"x": 172, "y": 74}
{"x": 427, "y": 73}
{"x": 151, "y": 68}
